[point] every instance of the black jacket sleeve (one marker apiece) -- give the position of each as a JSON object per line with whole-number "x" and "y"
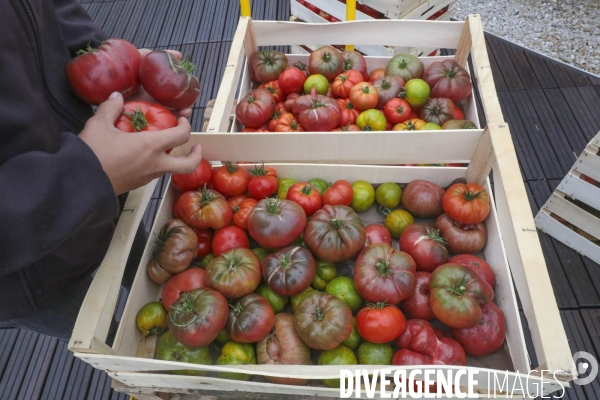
{"x": 47, "y": 198}
{"x": 77, "y": 27}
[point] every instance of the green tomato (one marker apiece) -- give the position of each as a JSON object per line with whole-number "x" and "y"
{"x": 151, "y": 319}
{"x": 318, "y": 82}
{"x": 284, "y": 185}
{"x": 354, "y": 339}
{"x": 397, "y": 221}
{"x": 430, "y": 126}
{"x": 261, "y": 252}
{"x": 297, "y": 299}
{"x": 319, "y": 184}
{"x": 417, "y": 92}
{"x": 340, "y": 355}
{"x": 325, "y": 272}
{"x": 371, "y": 120}
{"x": 363, "y": 196}
{"x": 169, "y": 349}
{"x": 276, "y": 301}
{"x": 234, "y": 353}
{"x": 207, "y": 258}
{"x": 388, "y": 194}
{"x": 344, "y": 289}
{"x": 374, "y": 354}
{"x": 222, "y": 337}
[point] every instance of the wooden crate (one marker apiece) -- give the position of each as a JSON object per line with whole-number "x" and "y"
{"x": 572, "y": 213}
{"x": 512, "y": 238}
{"x": 421, "y": 11}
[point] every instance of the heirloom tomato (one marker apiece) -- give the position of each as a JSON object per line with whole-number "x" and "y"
{"x": 234, "y": 353}
{"x": 234, "y": 273}
{"x": 448, "y": 79}
{"x": 319, "y": 184}
{"x": 425, "y": 246}
{"x": 201, "y": 176}
{"x": 188, "y": 280}
{"x": 388, "y": 88}
{"x": 289, "y": 271}
{"x": 363, "y": 96}
{"x": 306, "y": 195}
{"x": 324, "y": 273}
{"x": 459, "y": 124}
{"x": 168, "y": 80}
{"x": 405, "y": 66}
{"x": 241, "y": 213}
{"x": 468, "y": 203}
{"x": 430, "y": 126}
{"x": 458, "y": 113}
{"x": 292, "y": 80}
{"x": 377, "y": 234}
{"x": 276, "y": 223}
{"x": 289, "y": 101}
{"x": 96, "y": 73}
{"x": 205, "y": 209}
{"x": 382, "y": 274}
{"x": 231, "y": 179}
{"x": 480, "y": 266}
{"x": 151, "y": 319}
{"x": 198, "y": 316}
{"x": 297, "y": 299}
{"x": 288, "y": 123}
{"x": 344, "y": 289}
{"x": 138, "y": 116}
{"x": 380, "y": 323}
{"x": 354, "y": 61}
{"x": 275, "y": 90}
{"x": 409, "y": 125}
{"x": 250, "y": 319}
{"x": 263, "y": 183}
{"x": 267, "y": 65}
{"x": 229, "y": 238}
{"x": 335, "y": 233}
{"x": 317, "y": 113}
{"x": 276, "y": 301}
{"x": 417, "y": 305}
{"x": 326, "y": 61}
{"x": 169, "y": 349}
{"x": 347, "y": 128}
{"x": 173, "y": 251}
{"x": 363, "y": 196}
{"x": 256, "y": 109}
{"x": 388, "y": 194}
{"x": 423, "y": 198}
{"x": 437, "y": 110}
{"x": 376, "y": 74}
{"x": 340, "y": 355}
{"x": 354, "y": 339}
{"x": 349, "y": 113}
{"x": 344, "y": 82}
{"x": 485, "y": 337}
{"x": 371, "y": 120}
{"x": 396, "y": 111}
{"x": 417, "y": 92}
{"x": 283, "y": 185}
{"x": 318, "y": 82}
{"x": 461, "y": 238}
{"x": 323, "y": 321}
{"x": 457, "y": 294}
{"x": 340, "y": 193}
{"x": 235, "y": 201}
{"x": 374, "y": 354}
{"x": 396, "y": 221}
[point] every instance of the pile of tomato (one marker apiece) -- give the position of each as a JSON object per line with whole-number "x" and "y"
{"x": 118, "y": 66}
{"x": 252, "y": 264}
{"x": 334, "y": 92}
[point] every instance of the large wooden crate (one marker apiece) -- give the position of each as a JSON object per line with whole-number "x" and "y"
{"x": 572, "y": 213}
{"x": 513, "y": 248}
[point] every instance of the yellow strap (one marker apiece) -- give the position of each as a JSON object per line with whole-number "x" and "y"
{"x": 245, "y": 5}
{"x": 350, "y": 16}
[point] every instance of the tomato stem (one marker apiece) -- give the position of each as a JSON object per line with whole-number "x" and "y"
{"x": 307, "y": 190}
{"x": 272, "y": 206}
{"x": 231, "y": 167}
{"x": 451, "y": 73}
{"x": 437, "y": 237}
{"x": 137, "y": 119}
{"x": 237, "y": 309}
{"x": 347, "y": 66}
{"x": 318, "y": 314}
{"x": 87, "y": 49}
{"x": 471, "y": 196}
{"x": 207, "y": 196}
{"x": 187, "y": 65}
{"x": 383, "y": 211}
{"x": 385, "y": 84}
{"x": 285, "y": 261}
{"x": 336, "y": 223}
{"x": 259, "y": 171}
{"x": 382, "y": 268}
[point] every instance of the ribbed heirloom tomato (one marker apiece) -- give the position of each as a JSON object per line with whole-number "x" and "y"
{"x": 343, "y": 82}
{"x": 251, "y": 318}
{"x": 241, "y": 213}
{"x": 267, "y": 65}
{"x": 188, "y": 280}
{"x": 388, "y": 88}
{"x": 425, "y": 246}
{"x": 256, "y": 109}
{"x": 205, "y": 209}
{"x": 289, "y": 271}
{"x": 468, "y": 203}
{"x": 138, "y": 116}
{"x": 349, "y": 113}
{"x": 363, "y": 96}
{"x": 276, "y": 223}
{"x": 234, "y": 273}
{"x": 273, "y": 87}
{"x": 326, "y": 61}
{"x": 317, "y": 113}
{"x": 354, "y": 61}
{"x": 173, "y": 251}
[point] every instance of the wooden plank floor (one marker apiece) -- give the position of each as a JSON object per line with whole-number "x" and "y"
{"x": 552, "y": 110}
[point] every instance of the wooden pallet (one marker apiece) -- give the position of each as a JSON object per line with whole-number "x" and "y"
{"x": 572, "y": 213}
{"x": 512, "y": 241}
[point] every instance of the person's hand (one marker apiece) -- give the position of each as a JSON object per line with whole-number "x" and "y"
{"x": 143, "y": 96}
{"x": 133, "y": 159}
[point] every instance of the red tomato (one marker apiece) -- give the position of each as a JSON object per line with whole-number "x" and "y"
{"x": 288, "y": 123}
{"x": 276, "y": 223}
{"x": 251, "y": 318}
{"x": 205, "y": 240}
{"x": 264, "y": 183}
{"x": 364, "y": 96}
{"x": 230, "y": 179}
{"x": 196, "y": 180}
{"x": 376, "y": 74}
{"x": 461, "y": 238}
{"x": 242, "y": 213}
{"x": 458, "y": 113}
{"x": 168, "y": 80}
{"x": 417, "y": 305}
{"x": 138, "y": 116}
{"x": 380, "y": 323}
{"x": 289, "y": 271}
{"x": 338, "y": 194}
{"x": 349, "y": 113}
{"x": 229, "y": 238}
{"x": 190, "y": 279}
{"x": 425, "y": 246}
{"x": 256, "y": 109}
{"x": 326, "y": 61}
{"x": 480, "y": 266}
{"x": 342, "y": 84}
{"x": 273, "y": 87}
{"x": 289, "y": 101}
{"x": 96, "y": 73}
{"x": 396, "y": 110}
{"x": 234, "y": 273}
{"x": 205, "y": 209}
{"x": 306, "y": 195}
{"x": 176, "y": 212}
{"x": 292, "y": 80}
{"x": 468, "y": 203}
{"x": 423, "y": 198}
{"x": 353, "y": 60}
{"x": 485, "y": 337}
{"x": 317, "y": 113}
{"x": 235, "y": 201}
{"x": 377, "y": 234}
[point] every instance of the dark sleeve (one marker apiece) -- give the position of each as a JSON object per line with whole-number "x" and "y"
{"x": 77, "y": 27}
{"x": 47, "y": 198}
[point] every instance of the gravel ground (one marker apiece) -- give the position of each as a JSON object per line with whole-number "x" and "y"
{"x": 568, "y": 30}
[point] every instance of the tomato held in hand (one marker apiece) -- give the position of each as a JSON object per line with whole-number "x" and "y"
{"x": 138, "y": 116}
{"x": 241, "y": 213}
{"x": 96, "y": 73}
{"x": 201, "y": 176}
{"x": 263, "y": 183}
{"x": 205, "y": 209}
{"x": 306, "y": 195}
{"x": 229, "y": 238}
{"x": 468, "y": 203}
{"x": 380, "y": 323}
{"x": 231, "y": 179}
{"x": 276, "y": 223}
{"x": 425, "y": 246}
{"x": 188, "y": 280}
{"x": 250, "y": 319}
{"x": 338, "y": 194}
{"x": 168, "y": 80}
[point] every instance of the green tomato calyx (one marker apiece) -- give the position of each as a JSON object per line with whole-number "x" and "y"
{"x": 318, "y": 315}
{"x": 138, "y": 119}
{"x": 237, "y": 309}
{"x": 471, "y": 196}
{"x": 307, "y": 190}
{"x": 231, "y": 167}
{"x": 382, "y": 268}
{"x": 336, "y": 223}
{"x": 88, "y": 49}
{"x": 285, "y": 262}
{"x": 273, "y": 206}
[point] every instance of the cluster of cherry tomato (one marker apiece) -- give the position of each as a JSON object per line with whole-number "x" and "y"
{"x": 117, "y": 66}
{"x": 334, "y": 92}
{"x": 275, "y": 302}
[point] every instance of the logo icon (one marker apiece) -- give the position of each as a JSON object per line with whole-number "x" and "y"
{"x": 587, "y": 364}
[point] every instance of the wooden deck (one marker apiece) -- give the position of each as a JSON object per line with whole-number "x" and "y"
{"x": 552, "y": 110}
